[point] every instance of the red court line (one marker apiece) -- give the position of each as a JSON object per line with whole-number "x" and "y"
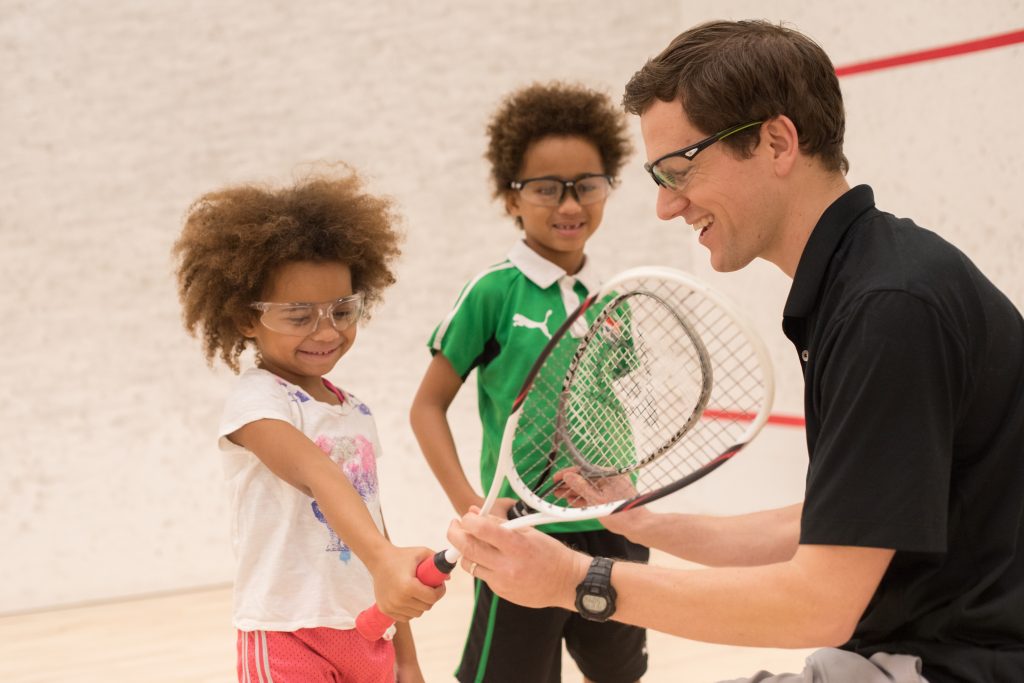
{"x": 781, "y": 420}
{"x": 989, "y": 43}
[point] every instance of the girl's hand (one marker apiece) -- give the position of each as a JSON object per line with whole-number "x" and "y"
{"x": 399, "y": 594}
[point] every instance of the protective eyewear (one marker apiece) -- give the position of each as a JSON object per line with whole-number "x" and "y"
{"x": 674, "y": 176}
{"x": 303, "y": 319}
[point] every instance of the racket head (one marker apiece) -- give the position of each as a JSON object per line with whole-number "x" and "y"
{"x": 667, "y": 383}
{"x": 544, "y": 373}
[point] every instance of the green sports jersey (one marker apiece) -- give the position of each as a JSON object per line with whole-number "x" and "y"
{"x": 499, "y": 325}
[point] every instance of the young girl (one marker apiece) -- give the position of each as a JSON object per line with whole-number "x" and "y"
{"x": 554, "y": 151}
{"x": 291, "y": 272}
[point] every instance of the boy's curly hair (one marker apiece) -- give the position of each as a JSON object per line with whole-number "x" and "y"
{"x": 561, "y": 109}
{"x": 235, "y": 238}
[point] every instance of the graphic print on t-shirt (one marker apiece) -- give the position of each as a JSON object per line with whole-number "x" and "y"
{"x": 356, "y": 458}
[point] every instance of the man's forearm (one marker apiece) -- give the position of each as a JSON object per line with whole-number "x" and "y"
{"x": 813, "y": 600}
{"x": 748, "y": 606}
{"x": 758, "y": 538}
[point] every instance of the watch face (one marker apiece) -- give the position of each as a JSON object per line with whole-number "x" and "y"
{"x": 594, "y": 603}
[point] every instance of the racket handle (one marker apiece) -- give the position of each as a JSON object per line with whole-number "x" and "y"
{"x": 372, "y": 624}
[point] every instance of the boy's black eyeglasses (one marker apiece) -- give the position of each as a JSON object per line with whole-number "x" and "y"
{"x": 675, "y": 178}
{"x": 550, "y": 191}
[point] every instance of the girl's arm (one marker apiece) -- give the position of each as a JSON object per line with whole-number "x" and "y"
{"x": 429, "y": 419}
{"x": 290, "y": 455}
{"x": 407, "y": 667}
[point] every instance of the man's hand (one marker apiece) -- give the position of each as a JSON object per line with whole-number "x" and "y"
{"x": 581, "y": 491}
{"x": 523, "y": 566}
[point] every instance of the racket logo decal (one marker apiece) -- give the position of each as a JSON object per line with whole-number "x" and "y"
{"x": 611, "y": 331}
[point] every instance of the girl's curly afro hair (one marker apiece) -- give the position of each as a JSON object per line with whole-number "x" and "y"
{"x": 235, "y": 238}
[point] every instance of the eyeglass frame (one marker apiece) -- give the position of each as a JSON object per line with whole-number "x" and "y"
{"x": 691, "y": 151}
{"x": 324, "y": 310}
{"x": 518, "y": 186}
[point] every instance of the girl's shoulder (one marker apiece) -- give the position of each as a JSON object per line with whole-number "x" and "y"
{"x": 258, "y": 379}
{"x": 349, "y": 401}
{"x": 256, "y": 385}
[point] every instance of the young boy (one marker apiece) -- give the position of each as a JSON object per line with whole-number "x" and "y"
{"x": 554, "y": 151}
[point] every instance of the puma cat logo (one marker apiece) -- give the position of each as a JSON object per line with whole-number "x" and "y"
{"x": 520, "y": 320}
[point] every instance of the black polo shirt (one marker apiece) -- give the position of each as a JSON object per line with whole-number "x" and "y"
{"x": 914, "y": 396}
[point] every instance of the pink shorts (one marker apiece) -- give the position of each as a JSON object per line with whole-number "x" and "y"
{"x": 311, "y": 655}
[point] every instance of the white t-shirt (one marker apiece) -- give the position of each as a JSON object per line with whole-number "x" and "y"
{"x": 293, "y": 571}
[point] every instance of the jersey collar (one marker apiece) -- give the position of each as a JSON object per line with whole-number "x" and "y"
{"x": 544, "y": 273}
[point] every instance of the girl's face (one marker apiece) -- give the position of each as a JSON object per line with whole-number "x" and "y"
{"x": 304, "y": 360}
{"x": 558, "y": 233}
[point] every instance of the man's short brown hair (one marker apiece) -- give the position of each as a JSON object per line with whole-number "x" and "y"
{"x": 727, "y": 73}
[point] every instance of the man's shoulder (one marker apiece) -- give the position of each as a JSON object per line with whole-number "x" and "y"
{"x": 886, "y": 252}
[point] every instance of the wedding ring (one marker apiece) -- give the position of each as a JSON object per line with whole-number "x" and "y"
{"x": 472, "y": 570}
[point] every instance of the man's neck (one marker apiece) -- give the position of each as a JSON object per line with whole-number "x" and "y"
{"x": 811, "y": 195}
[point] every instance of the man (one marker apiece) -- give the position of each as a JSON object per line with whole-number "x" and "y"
{"x": 904, "y": 561}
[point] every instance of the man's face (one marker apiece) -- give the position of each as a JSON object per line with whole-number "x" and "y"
{"x": 724, "y": 198}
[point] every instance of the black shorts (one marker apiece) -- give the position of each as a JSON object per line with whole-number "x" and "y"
{"x": 513, "y": 644}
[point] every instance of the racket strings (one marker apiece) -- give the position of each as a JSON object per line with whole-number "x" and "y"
{"x": 639, "y": 379}
{"x": 662, "y": 385}
{"x": 738, "y": 396}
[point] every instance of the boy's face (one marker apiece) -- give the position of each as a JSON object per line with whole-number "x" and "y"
{"x": 559, "y": 233}
{"x": 304, "y": 360}
{"x": 725, "y": 199}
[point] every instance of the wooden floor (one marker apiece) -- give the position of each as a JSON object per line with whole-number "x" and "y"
{"x": 187, "y": 638}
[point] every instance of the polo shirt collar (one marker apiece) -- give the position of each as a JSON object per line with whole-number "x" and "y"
{"x": 544, "y": 273}
{"x": 821, "y": 245}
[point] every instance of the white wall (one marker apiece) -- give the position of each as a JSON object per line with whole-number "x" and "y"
{"x": 115, "y": 115}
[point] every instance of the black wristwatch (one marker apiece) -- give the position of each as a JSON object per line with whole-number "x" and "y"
{"x": 595, "y": 597}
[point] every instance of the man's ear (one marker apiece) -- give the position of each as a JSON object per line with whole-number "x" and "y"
{"x": 783, "y": 140}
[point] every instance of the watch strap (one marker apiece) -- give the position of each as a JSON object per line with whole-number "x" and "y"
{"x": 597, "y": 583}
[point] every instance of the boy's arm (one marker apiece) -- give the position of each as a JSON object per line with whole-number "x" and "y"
{"x": 290, "y": 455}
{"x": 429, "y": 419}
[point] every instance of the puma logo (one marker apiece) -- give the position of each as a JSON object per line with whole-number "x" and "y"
{"x": 520, "y": 320}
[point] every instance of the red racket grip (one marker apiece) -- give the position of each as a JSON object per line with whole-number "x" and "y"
{"x": 372, "y": 624}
